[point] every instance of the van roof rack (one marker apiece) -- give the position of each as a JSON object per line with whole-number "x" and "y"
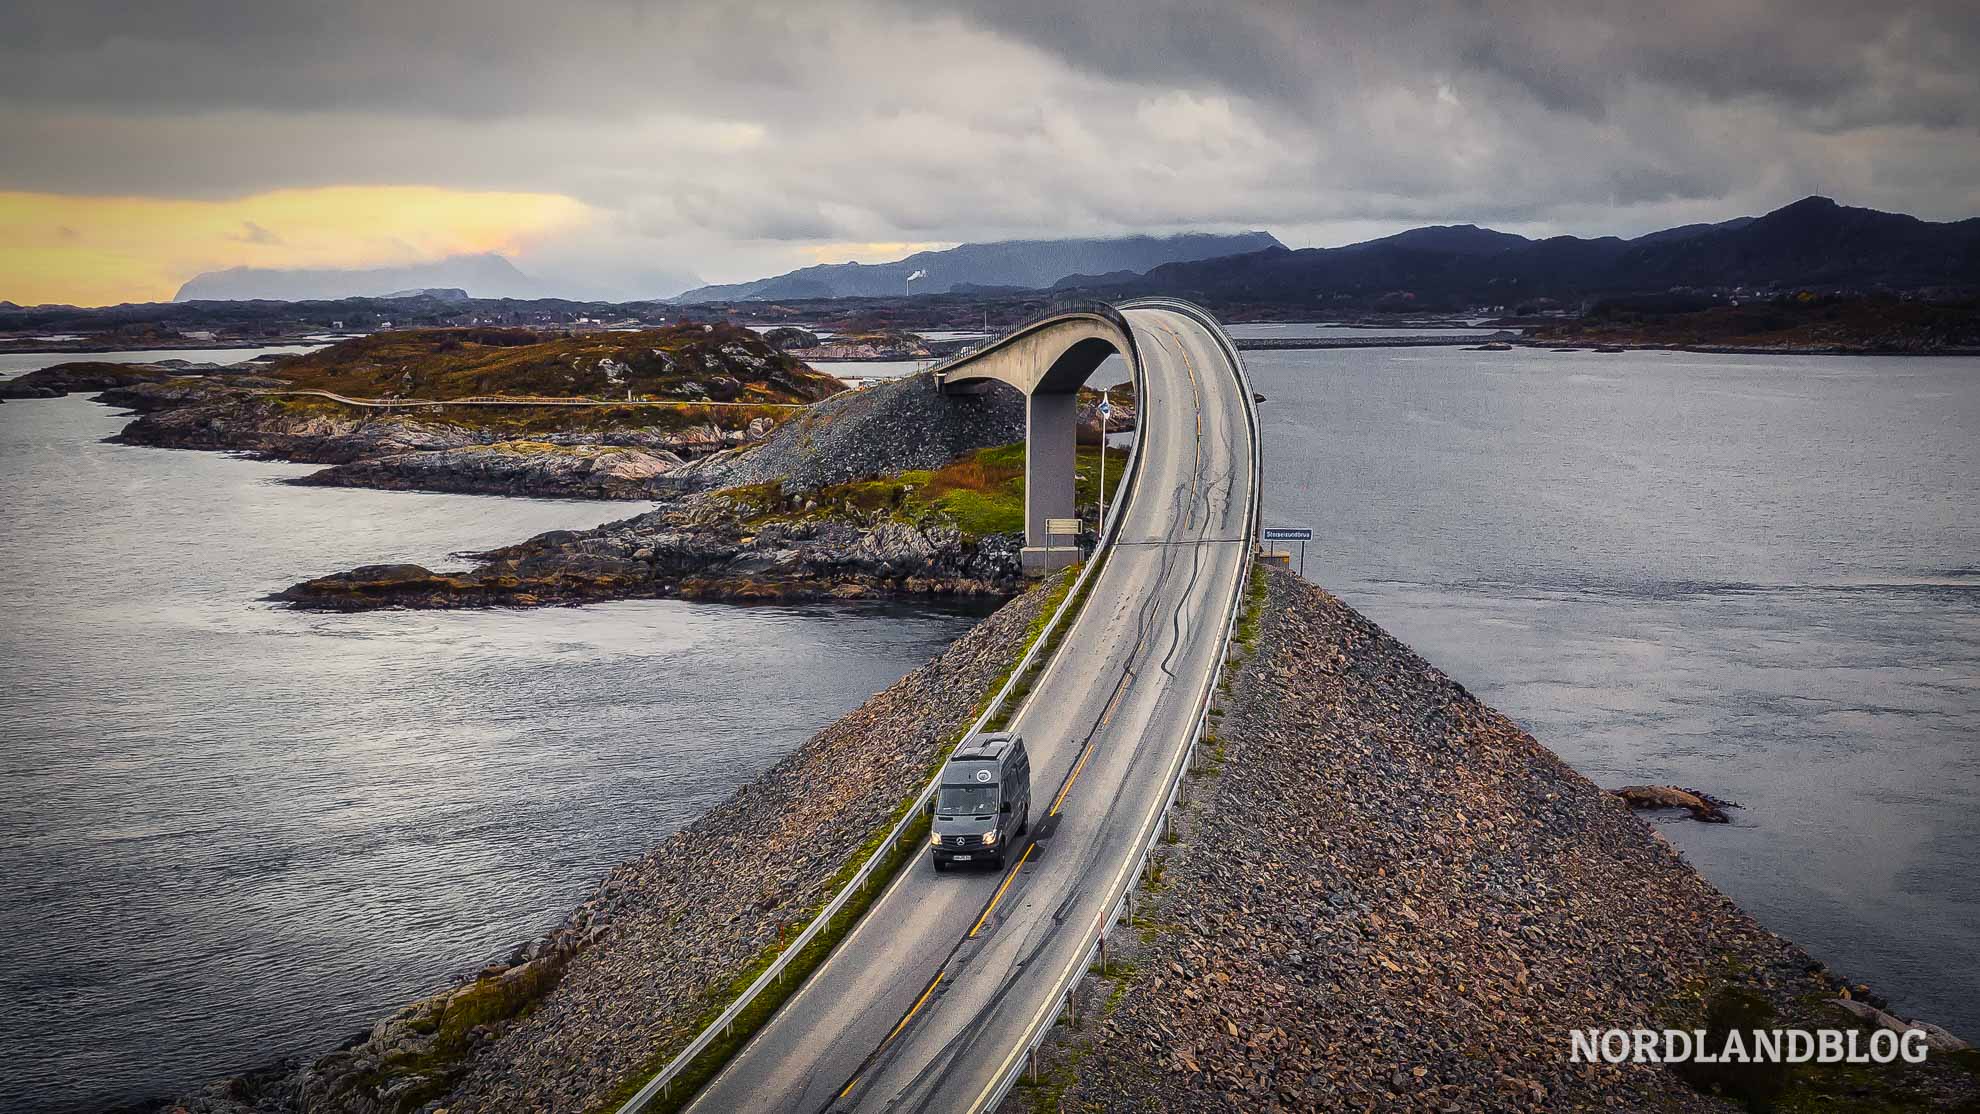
{"x": 987, "y": 747}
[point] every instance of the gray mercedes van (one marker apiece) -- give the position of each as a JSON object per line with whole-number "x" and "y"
{"x": 983, "y": 803}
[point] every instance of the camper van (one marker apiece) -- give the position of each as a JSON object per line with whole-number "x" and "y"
{"x": 983, "y": 803}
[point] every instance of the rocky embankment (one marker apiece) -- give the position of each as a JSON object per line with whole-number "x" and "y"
{"x": 563, "y": 1020}
{"x": 1386, "y": 896}
{"x": 895, "y": 426}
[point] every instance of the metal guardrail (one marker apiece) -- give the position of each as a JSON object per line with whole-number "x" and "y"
{"x": 1122, "y": 886}
{"x": 661, "y": 1085}
{"x": 1064, "y": 308}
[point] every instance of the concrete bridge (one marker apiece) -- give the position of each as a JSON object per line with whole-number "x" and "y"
{"x": 936, "y": 995}
{"x": 1047, "y": 360}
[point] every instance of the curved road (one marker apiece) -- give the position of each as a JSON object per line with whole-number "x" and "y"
{"x": 923, "y": 1005}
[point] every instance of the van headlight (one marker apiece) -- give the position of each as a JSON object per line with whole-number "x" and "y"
{"x": 934, "y": 840}
{"x": 989, "y": 837}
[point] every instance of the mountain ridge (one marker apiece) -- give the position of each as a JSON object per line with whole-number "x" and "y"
{"x": 1020, "y": 264}
{"x": 1813, "y": 242}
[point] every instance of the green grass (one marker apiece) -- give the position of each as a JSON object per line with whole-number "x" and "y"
{"x": 430, "y": 1070}
{"x": 980, "y": 493}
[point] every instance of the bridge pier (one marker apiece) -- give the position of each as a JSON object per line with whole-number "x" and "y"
{"x": 1050, "y": 455}
{"x": 1047, "y": 360}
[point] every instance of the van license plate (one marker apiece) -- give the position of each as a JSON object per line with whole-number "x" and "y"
{"x": 959, "y": 858}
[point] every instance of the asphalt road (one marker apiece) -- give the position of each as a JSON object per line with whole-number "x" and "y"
{"x": 922, "y": 1005}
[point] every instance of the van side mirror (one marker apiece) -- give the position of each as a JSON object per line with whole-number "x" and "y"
{"x": 930, "y": 808}
{"x": 1005, "y": 807}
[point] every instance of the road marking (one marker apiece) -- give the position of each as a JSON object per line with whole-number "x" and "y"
{"x": 992, "y": 907}
{"x": 1085, "y": 753}
{"x": 916, "y": 1008}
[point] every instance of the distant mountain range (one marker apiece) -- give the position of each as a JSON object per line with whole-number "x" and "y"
{"x": 1813, "y": 243}
{"x": 984, "y": 268}
{"x": 481, "y": 276}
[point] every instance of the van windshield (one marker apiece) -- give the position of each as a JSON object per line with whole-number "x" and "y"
{"x": 967, "y": 798}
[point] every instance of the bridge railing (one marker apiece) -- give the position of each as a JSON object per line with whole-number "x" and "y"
{"x": 1056, "y": 310}
{"x": 1121, "y": 890}
{"x": 661, "y": 1085}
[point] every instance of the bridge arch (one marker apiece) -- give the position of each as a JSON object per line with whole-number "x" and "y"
{"x": 1048, "y": 359}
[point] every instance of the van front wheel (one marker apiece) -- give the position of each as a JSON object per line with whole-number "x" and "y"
{"x": 940, "y": 866}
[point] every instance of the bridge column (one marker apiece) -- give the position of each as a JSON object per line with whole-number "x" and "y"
{"x": 1050, "y": 424}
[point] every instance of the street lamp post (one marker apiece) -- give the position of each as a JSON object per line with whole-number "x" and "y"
{"x": 1106, "y": 410}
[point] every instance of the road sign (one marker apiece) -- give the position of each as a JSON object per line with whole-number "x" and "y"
{"x": 1062, "y": 525}
{"x": 1106, "y": 408}
{"x": 1300, "y": 534}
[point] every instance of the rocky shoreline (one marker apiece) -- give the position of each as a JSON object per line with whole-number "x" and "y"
{"x": 564, "y": 1019}
{"x": 703, "y": 547}
{"x": 1455, "y": 902}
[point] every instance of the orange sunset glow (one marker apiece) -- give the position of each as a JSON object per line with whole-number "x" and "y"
{"x": 104, "y": 250}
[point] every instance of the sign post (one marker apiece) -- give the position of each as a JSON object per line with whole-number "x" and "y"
{"x": 1300, "y": 534}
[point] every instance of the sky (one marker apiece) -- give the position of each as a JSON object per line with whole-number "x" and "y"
{"x": 621, "y": 149}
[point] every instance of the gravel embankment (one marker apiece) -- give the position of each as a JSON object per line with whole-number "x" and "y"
{"x": 635, "y": 963}
{"x": 896, "y": 426}
{"x": 1392, "y": 898}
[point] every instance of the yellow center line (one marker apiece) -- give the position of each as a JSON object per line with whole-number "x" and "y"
{"x": 918, "y": 1003}
{"x": 994, "y": 899}
{"x": 1077, "y": 767}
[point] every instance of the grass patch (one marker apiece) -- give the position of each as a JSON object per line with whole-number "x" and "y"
{"x": 428, "y": 1071}
{"x": 980, "y": 493}
{"x": 1253, "y": 617}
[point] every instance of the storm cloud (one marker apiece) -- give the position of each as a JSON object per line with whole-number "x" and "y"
{"x": 732, "y": 140}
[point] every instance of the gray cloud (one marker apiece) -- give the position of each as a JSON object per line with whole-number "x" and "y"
{"x": 724, "y": 138}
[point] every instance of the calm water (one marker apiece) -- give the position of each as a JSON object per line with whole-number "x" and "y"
{"x": 1754, "y": 575}
{"x": 231, "y": 832}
